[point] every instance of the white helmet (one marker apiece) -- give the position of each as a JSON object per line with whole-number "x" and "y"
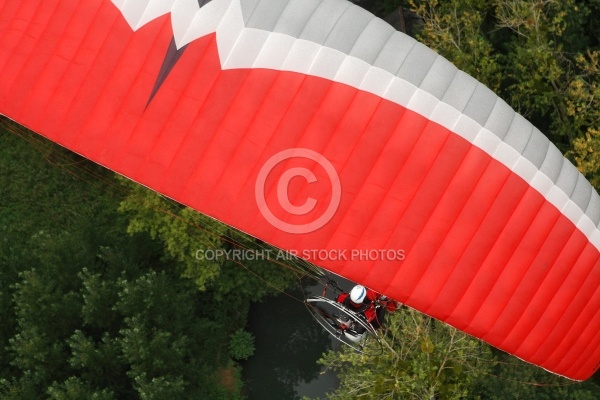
{"x": 358, "y": 294}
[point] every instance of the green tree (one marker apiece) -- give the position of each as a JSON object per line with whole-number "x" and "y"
{"x": 241, "y": 345}
{"x": 116, "y": 328}
{"x": 181, "y": 230}
{"x": 76, "y": 389}
{"x": 90, "y": 311}
{"x": 539, "y": 67}
{"x": 422, "y": 359}
{"x": 511, "y": 378}
{"x": 583, "y": 109}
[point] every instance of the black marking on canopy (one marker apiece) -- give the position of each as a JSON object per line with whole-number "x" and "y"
{"x": 173, "y": 55}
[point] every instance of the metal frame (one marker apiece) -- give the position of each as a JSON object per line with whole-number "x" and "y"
{"x": 340, "y": 322}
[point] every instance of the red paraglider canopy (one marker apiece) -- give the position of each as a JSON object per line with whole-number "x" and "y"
{"x": 316, "y": 127}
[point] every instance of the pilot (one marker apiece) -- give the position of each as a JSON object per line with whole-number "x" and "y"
{"x": 369, "y": 303}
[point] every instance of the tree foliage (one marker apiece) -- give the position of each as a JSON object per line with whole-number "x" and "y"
{"x": 241, "y": 345}
{"x": 423, "y": 359}
{"x": 90, "y": 312}
{"x": 181, "y": 230}
{"x": 103, "y": 321}
{"x": 510, "y": 378}
{"x": 583, "y": 107}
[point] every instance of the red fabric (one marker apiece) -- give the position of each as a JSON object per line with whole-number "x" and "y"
{"x": 483, "y": 250}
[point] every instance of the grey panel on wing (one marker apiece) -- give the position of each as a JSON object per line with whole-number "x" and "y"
{"x": 583, "y": 192}
{"x": 248, "y": 7}
{"x": 295, "y": 16}
{"x": 394, "y": 52}
{"x": 323, "y": 20}
{"x": 567, "y": 179}
{"x": 518, "y": 134}
{"x": 593, "y": 209}
{"x": 347, "y": 30}
{"x": 552, "y": 163}
{"x": 481, "y": 104}
{"x": 439, "y": 77}
{"x": 500, "y": 118}
{"x": 369, "y": 45}
{"x": 460, "y": 91}
{"x": 267, "y": 14}
{"x": 536, "y": 148}
{"x": 417, "y": 64}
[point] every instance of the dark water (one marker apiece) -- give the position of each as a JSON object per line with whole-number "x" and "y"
{"x": 288, "y": 344}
